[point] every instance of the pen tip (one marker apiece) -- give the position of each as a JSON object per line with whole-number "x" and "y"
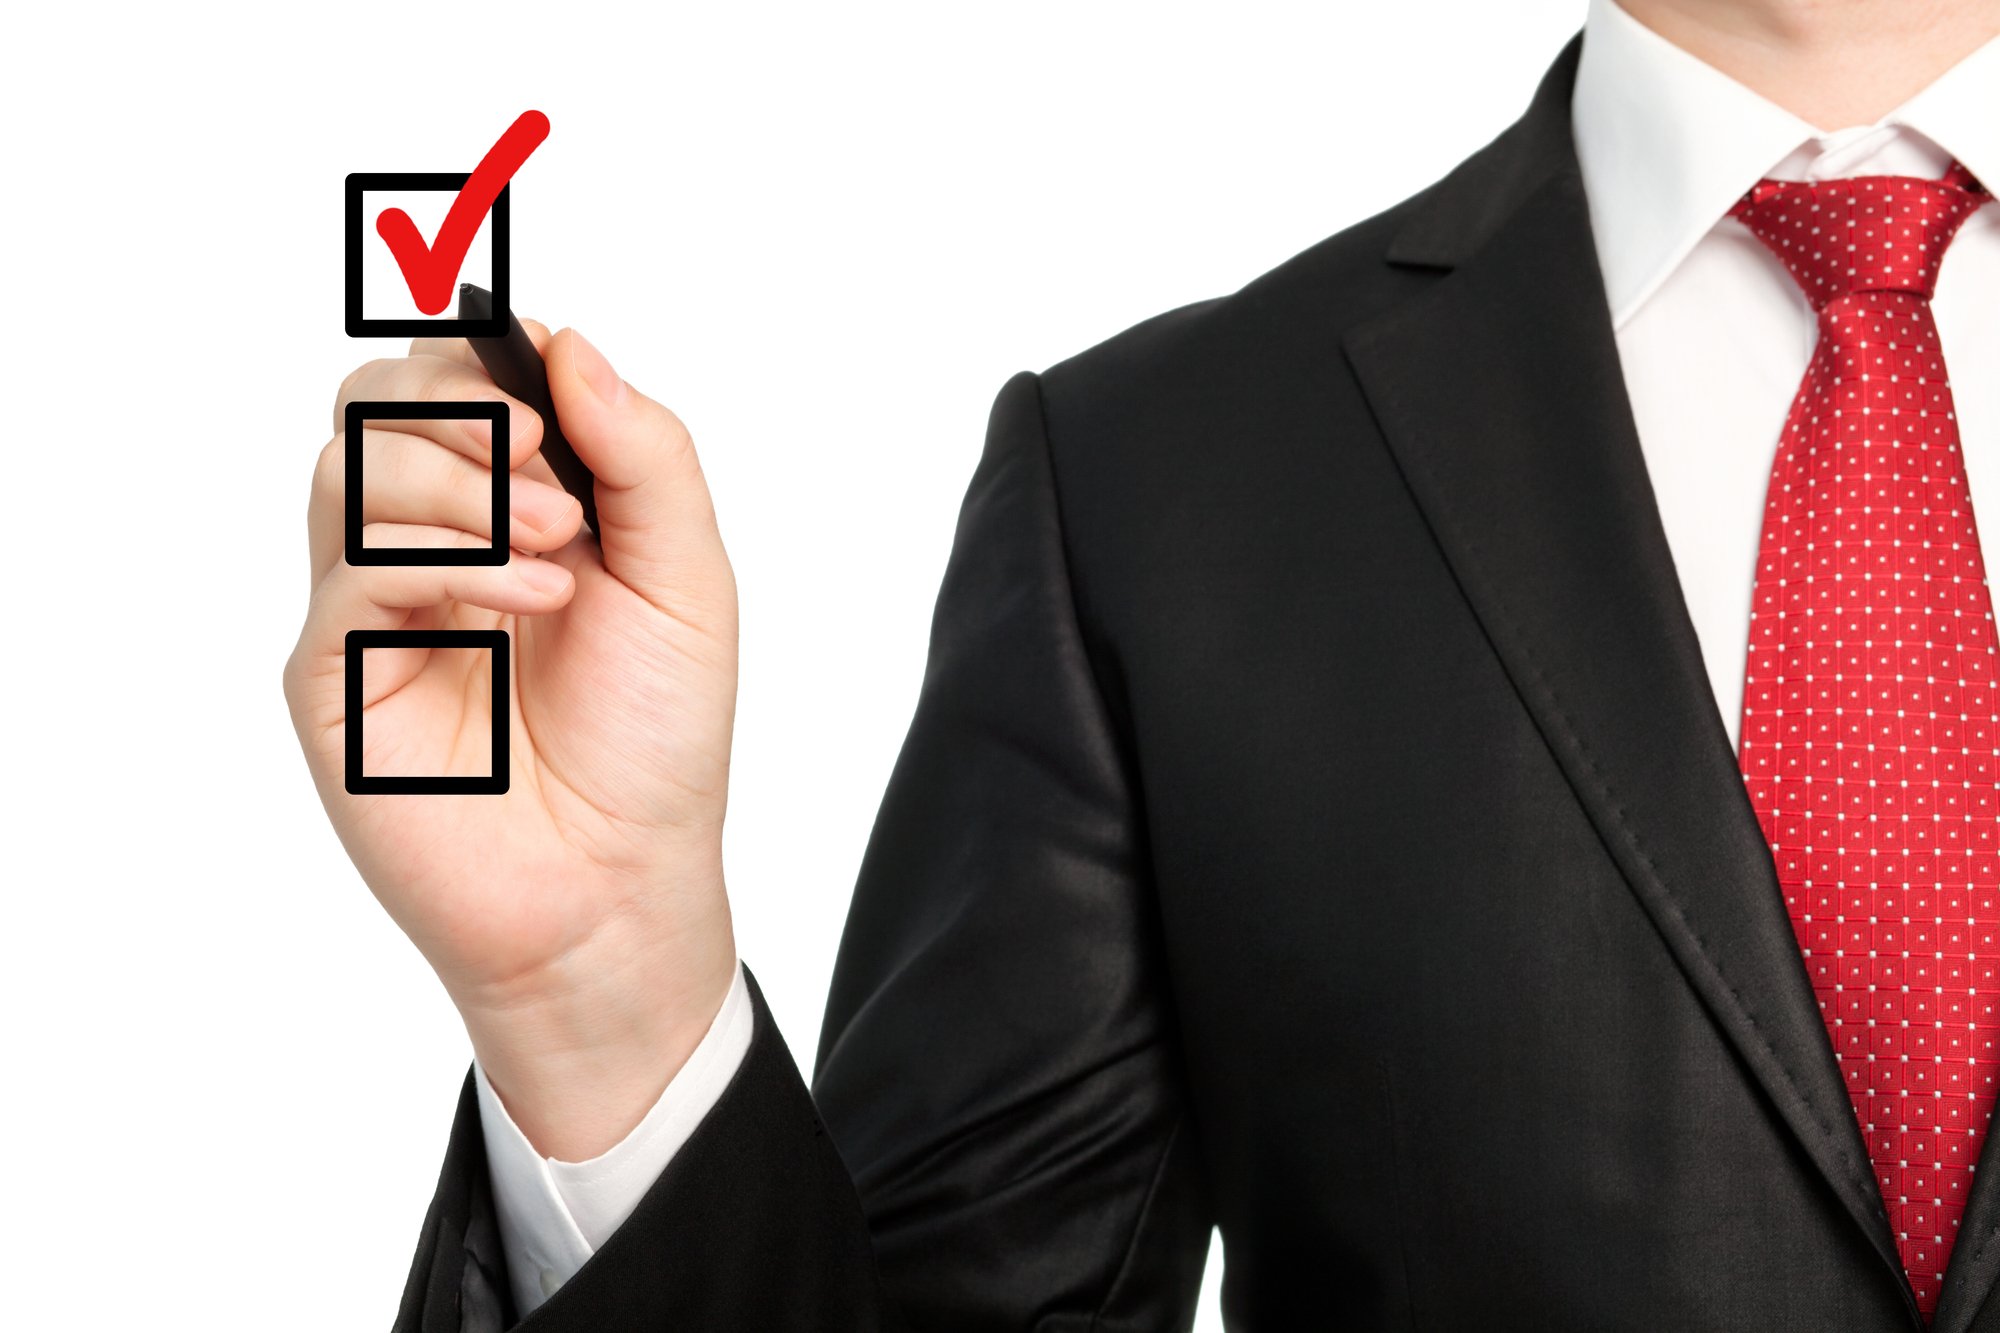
{"x": 474, "y": 301}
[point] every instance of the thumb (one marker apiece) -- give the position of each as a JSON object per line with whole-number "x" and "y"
{"x": 656, "y": 522}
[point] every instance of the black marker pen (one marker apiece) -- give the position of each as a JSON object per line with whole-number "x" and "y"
{"x": 517, "y": 368}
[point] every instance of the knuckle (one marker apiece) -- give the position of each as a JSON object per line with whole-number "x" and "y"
{"x": 330, "y": 468}
{"x": 384, "y": 533}
{"x": 293, "y": 679}
{"x": 436, "y": 376}
{"x": 467, "y": 480}
{"x": 484, "y": 444}
{"x": 352, "y": 384}
{"x": 675, "y": 438}
{"x": 676, "y": 428}
{"x": 524, "y": 425}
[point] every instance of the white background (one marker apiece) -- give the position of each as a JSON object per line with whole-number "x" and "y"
{"x": 825, "y": 235}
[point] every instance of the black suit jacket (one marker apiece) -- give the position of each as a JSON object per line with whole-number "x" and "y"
{"x": 1316, "y": 823}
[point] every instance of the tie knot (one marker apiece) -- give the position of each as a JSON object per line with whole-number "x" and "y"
{"x": 1861, "y": 233}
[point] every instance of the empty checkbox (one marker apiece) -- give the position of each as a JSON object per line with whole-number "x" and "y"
{"x": 492, "y": 645}
{"x": 385, "y": 415}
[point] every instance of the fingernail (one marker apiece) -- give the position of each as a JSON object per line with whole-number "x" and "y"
{"x": 519, "y": 418}
{"x": 541, "y": 575}
{"x": 520, "y": 421}
{"x": 538, "y": 507}
{"x": 588, "y": 362}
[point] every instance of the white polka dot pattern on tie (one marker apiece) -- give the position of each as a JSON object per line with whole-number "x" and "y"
{"x": 1870, "y": 716}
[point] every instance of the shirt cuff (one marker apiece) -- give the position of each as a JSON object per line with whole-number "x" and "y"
{"x": 553, "y": 1214}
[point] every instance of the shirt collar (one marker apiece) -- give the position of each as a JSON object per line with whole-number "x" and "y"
{"x": 1667, "y": 142}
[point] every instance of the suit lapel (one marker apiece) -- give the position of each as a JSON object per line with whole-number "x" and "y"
{"x": 1499, "y": 389}
{"x": 1975, "y": 1258}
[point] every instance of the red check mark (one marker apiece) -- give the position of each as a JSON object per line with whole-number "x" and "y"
{"x": 431, "y": 270}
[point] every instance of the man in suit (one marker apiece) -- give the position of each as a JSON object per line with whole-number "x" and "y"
{"x": 1466, "y": 763}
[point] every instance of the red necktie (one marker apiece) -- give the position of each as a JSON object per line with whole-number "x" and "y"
{"x": 1869, "y": 708}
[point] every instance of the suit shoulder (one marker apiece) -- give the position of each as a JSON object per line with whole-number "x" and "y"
{"x": 1287, "y": 315}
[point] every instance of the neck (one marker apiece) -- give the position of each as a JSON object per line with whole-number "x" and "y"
{"x": 1832, "y": 63}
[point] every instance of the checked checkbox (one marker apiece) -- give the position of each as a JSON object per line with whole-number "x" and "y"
{"x": 413, "y": 235}
{"x": 379, "y": 303}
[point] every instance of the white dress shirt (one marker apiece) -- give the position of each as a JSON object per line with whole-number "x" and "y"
{"x": 1713, "y": 334}
{"x": 1714, "y": 337}
{"x": 553, "y": 1214}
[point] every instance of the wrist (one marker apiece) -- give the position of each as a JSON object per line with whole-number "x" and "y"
{"x": 579, "y": 1055}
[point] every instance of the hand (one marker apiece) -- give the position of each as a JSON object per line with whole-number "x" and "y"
{"x": 579, "y": 922}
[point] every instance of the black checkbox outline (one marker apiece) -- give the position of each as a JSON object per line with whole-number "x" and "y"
{"x": 359, "y": 414}
{"x": 477, "y": 784}
{"x": 360, "y": 183}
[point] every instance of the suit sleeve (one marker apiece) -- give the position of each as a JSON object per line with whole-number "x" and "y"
{"x": 997, "y": 1136}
